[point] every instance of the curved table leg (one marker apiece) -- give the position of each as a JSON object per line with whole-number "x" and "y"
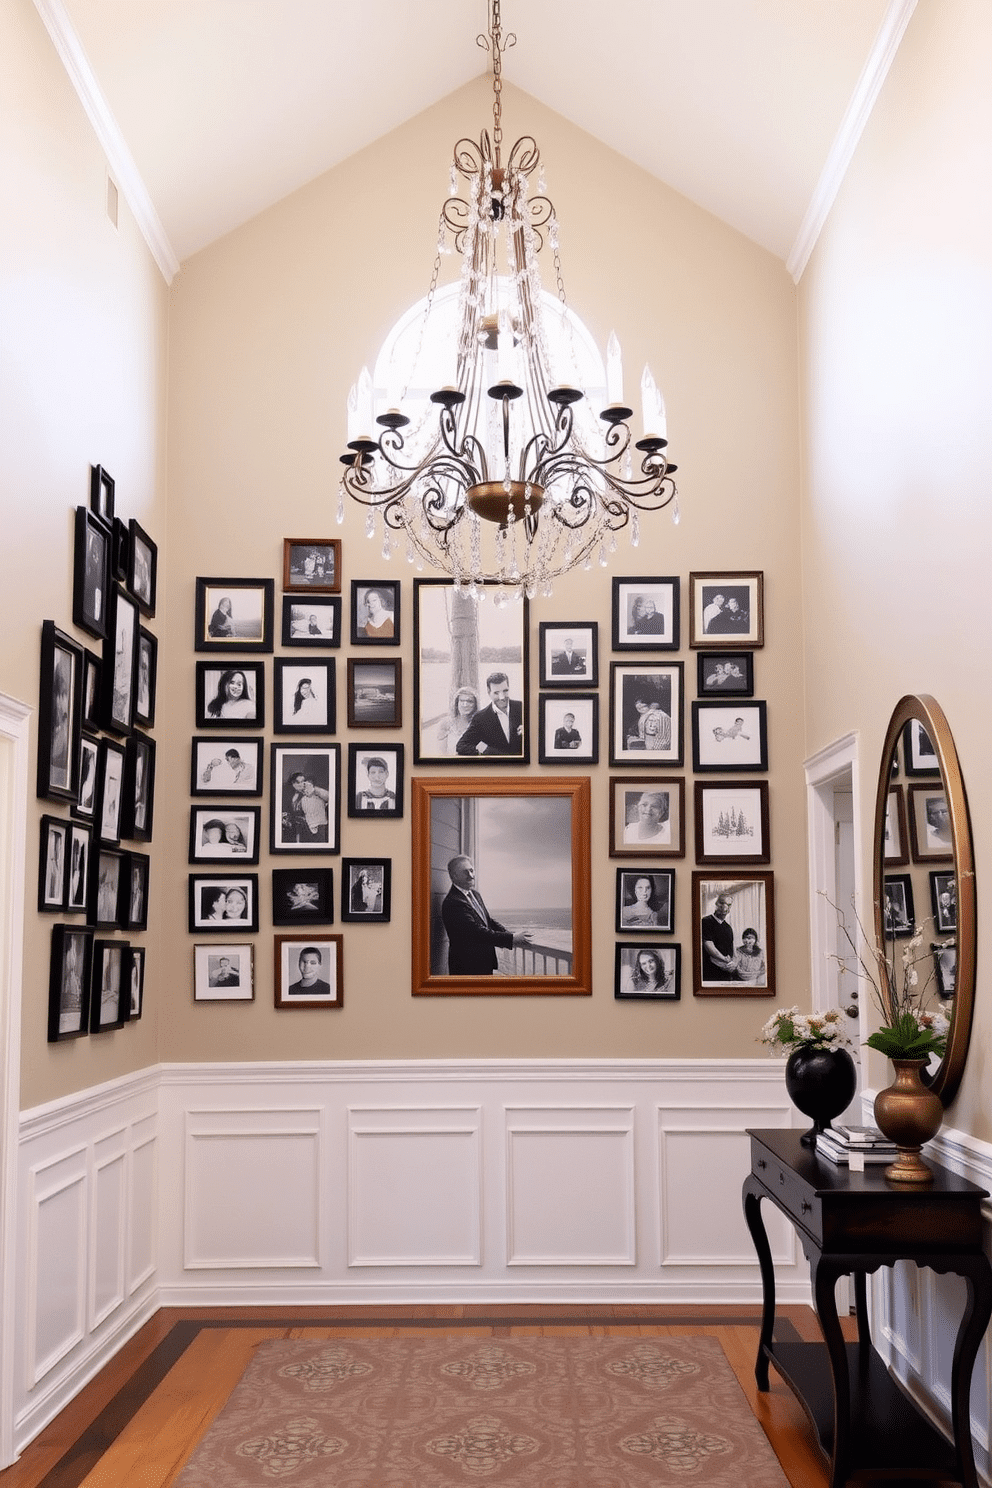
{"x": 824, "y": 1278}
{"x": 752, "y": 1215}
{"x": 971, "y": 1330}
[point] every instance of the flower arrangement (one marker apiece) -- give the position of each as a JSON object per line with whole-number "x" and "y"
{"x": 911, "y": 1029}
{"x": 790, "y": 1029}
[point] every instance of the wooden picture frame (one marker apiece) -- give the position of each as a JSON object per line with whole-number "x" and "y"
{"x": 234, "y": 615}
{"x": 304, "y": 697}
{"x": 725, "y": 674}
{"x": 645, "y": 901}
{"x": 59, "y": 714}
{"x": 313, "y": 622}
{"x": 731, "y": 819}
{"x": 375, "y": 781}
{"x": 226, "y": 767}
{"x": 106, "y": 877}
{"x": 729, "y": 736}
{"x": 895, "y": 847}
{"x": 142, "y": 567}
{"x": 92, "y": 549}
{"x": 568, "y": 653}
{"x": 647, "y": 816}
{"x": 944, "y": 901}
{"x": 529, "y": 839}
{"x": 80, "y": 864}
{"x": 224, "y": 834}
{"x": 568, "y": 728}
{"x": 311, "y": 563}
{"x": 223, "y": 904}
{"x": 646, "y": 713}
{"x": 119, "y": 673}
{"x": 309, "y": 971}
{"x": 110, "y": 792}
{"x": 930, "y": 832}
{"x": 69, "y": 978}
{"x": 375, "y": 612}
{"x": 375, "y": 692}
{"x": 299, "y": 825}
{"x": 102, "y": 488}
{"x": 646, "y": 613}
{"x": 138, "y": 806}
{"x": 303, "y": 896}
{"x": 147, "y": 682}
{"x": 84, "y": 806}
{"x": 230, "y": 697}
{"x": 647, "y": 973}
{"x": 727, "y": 609}
{"x": 224, "y": 972}
{"x": 53, "y": 864}
{"x": 132, "y": 910}
{"x": 108, "y": 1007}
{"x": 898, "y": 907}
{"x": 751, "y": 907}
{"x": 366, "y": 890}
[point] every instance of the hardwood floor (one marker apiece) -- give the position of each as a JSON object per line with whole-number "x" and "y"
{"x": 141, "y": 1417}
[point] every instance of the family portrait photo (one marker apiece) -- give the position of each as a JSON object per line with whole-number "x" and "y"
{"x": 648, "y": 971}
{"x": 308, "y": 971}
{"x": 223, "y": 973}
{"x": 234, "y": 614}
{"x": 726, "y": 604}
{"x": 733, "y": 936}
{"x": 725, "y": 674}
{"x": 305, "y": 797}
{"x": 645, "y": 614}
{"x": 311, "y": 563}
{"x": 646, "y": 713}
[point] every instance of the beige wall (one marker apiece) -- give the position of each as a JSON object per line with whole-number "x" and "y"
{"x": 83, "y": 312}
{"x": 896, "y": 316}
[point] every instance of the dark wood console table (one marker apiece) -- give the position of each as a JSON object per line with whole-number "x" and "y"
{"x": 853, "y": 1223}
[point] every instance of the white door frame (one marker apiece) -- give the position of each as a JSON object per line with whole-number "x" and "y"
{"x": 836, "y": 765}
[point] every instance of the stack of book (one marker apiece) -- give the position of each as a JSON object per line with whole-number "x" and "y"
{"x": 855, "y": 1146}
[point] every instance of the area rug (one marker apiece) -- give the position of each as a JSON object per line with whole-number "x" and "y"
{"x": 518, "y": 1412}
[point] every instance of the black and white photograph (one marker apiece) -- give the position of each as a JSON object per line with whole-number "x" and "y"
{"x": 365, "y": 890}
{"x": 311, "y": 563}
{"x": 142, "y": 567}
{"x": 732, "y": 822}
{"x": 106, "y": 877}
{"x": 647, "y": 816}
{"x": 895, "y": 848}
{"x": 69, "y": 983}
{"x": 930, "y": 833}
{"x": 134, "y": 981}
{"x": 138, "y": 810}
{"x": 120, "y": 551}
{"x": 729, "y": 736}
{"x": 725, "y": 674}
{"x": 109, "y": 1007}
{"x": 101, "y": 493}
{"x": 92, "y": 690}
{"x": 898, "y": 909}
{"x": 646, "y": 614}
{"x": 303, "y": 896}
{"x": 91, "y": 573}
{"x": 649, "y": 972}
{"x": 470, "y": 681}
{"x": 375, "y": 612}
{"x": 230, "y": 697}
{"x": 53, "y": 858}
{"x": 59, "y": 712}
{"x": 315, "y": 621}
{"x": 726, "y": 604}
{"x": 234, "y": 614}
{"x": 568, "y": 728}
{"x": 375, "y": 780}
{"x": 646, "y": 719}
{"x": 944, "y": 902}
{"x": 120, "y": 663}
{"x": 132, "y": 910}
{"x": 89, "y": 771}
{"x": 919, "y": 755}
{"x": 308, "y": 971}
{"x": 501, "y": 886}
{"x": 78, "y": 883}
{"x": 223, "y": 973}
{"x": 110, "y": 791}
{"x": 224, "y": 832}
{"x": 303, "y": 695}
{"x": 568, "y": 653}
{"x": 226, "y": 767}
{"x": 144, "y": 695}
{"x": 733, "y": 931}
{"x": 305, "y": 798}
{"x": 375, "y": 693}
{"x": 646, "y": 900}
{"x": 222, "y": 904}
{"x": 945, "y": 968}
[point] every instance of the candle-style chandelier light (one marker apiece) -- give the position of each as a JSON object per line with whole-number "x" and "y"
{"x": 507, "y": 476}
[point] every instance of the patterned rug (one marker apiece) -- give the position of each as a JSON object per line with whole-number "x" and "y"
{"x": 449, "y": 1412}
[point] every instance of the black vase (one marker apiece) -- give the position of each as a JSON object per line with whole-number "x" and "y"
{"x": 821, "y": 1083}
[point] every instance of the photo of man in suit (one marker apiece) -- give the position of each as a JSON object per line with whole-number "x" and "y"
{"x": 568, "y": 662}
{"x": 497, "y": 729}
{"x": 473, "y": 934}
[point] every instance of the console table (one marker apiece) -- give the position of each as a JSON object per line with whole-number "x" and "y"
{"x": 853, "y": 1223}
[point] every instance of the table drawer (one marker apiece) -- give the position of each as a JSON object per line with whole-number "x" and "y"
{"x": 798, "y": 1198}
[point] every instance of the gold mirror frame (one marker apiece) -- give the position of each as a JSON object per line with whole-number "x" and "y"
{"x": 928, "y": 712}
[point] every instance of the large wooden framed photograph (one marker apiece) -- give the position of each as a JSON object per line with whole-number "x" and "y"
{"x": 305, "y": 795}
{"x": 144, "y": 697}
{"x": 234, "y": 614}
{"x": 725, "y": 674}
{"x": 91, "y": 573}
{"x": 303, "y": 696}
{"x": 119, "y": 673}
{"x": 224, "y": 833}
{"x": 69, "y": 983}
{"x": 568, "y": 728}
{"x": 226, "y": 767}
{"x": 375, "y": 780}
{"x": 895, "y": 849}
{"x": 729, "y": 736}
{"x": 53, "y": 858}
{"x": 303, "y": 896}
{"x": 223, "y": 973}
{"x": 898, "y": 908}
{"x": 646, "y": 900}
{"x": 310, "y": 563}
{"x": 733, "y": 935}
{"x": 109, "y": 1006}
{"x": 59, "y": 713}
{"x": 944, "y": 902}
{"x": 375, "y": 612}
{"x": 138, "y": 799}
{"x": 501, "y": 898}
{"x": 647, "y": 816}
{"x": 309, "y": 971}
{"x": 142, "y": 567}
{"x": 366, "y": 890}
{"x": 568, "y": 653}
{"x": 930, "y": 824}
{"x": 315, "y": 621}
{"x": 646, "y": 717}
{"x": 375, "y": 693}
{"x": 222, "y": 904}
{"x": 470, "y": 679}
{"x": 726, "y": 604}
{"x": 646, "y": 614}
{"x": 732, "y": 822}
{"x": 650, "y": 973}
{"x": 230, "y": 697}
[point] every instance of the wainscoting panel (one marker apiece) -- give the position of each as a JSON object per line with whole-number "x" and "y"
{"x": 57, "y": 1320}
{"x": 108, "y": 1231}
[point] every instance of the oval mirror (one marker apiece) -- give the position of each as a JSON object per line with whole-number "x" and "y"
{"x": 924, "y": 872}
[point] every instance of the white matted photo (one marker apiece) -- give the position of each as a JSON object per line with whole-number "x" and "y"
{"x": 646, "y": 614}
{"x": 229, "y": 832}
{"x": 569, "y": 653}
{"x": 568, "y": 731}
{"x": 729, "y": 736}
{"x": 223, "y": 973}
{"x": 304, "y": 699}
{"x": 732, "y": 822}
{"x": 308, "y": 971}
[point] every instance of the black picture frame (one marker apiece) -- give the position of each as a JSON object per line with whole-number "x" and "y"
{"x": 119, "y": 551}
{"x": 109, "y": 1008}
{"x": 224, "y": 972}
{"x": 751, "y": 898}
{"x": 945, "y": 968}
{"x": 895, "y": 843}
{"x": 106, "y": 877}
{"x": 224, "y": 834}
{"x": 732, "y": 822}
{"x": 375, "y": 692}
{"x": 315, "y": 621}
{"x": 303, "y": 896}
{"x": 59, "y": 714}
{"x": 646, "y": 613}
{"x": 727, "y": 605}
{"x": 227, "y": 766}
{"x": 647, "y": 710}
{"x": 92, "y": 698}
{"x": 234, "y": 615}
{"x": 110, "y": 792}
{"x": 918, "y": 754}
{"x": 134, "y": 982}
{"x": 53, "y": 859}
{"x": 944, "y": 900}
{"x": 366, "y": 890}
{"x": 132, "y": 907}
{"x": 304, "y": 695}
{"x": 634, "y": 979}
{"x": 561, "y": 664}
{"x": 102, "y": 488}
{"x": 729, "y": 736}
{"x": 311, "y": 563}
{"x": 293, "y": 827}
{"x": 80, "y": 863}
{"x": 725, "y": 674}
{"x": 69, "y": 983}
{"x": 92, "y": 549}
{"x": 219, "y": 703}
{"x": 640, "y": 913}
{"x": 120, "y": 662}
{"x": 375, "y": 612}
{"x": 375, "y": 775}
{"x": 138, "y": 814}
{"x": 647, "y": 816}
{"x": 146, "y": 685}
{"x": 898, "y": 908}
{"x": 556, "y": 738}
{"x": 88, "y": 772}
{"x": 142, "y": 568}
{"x": 223, "y": 904}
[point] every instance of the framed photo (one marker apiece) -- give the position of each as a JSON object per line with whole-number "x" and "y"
{"x": 304, "y": 696}
{"x": 733, "y": 935}
{"x": 110, "y": 791}
{"x": 311, "y": 563}
{"x": 945, "y": 968}
{"x": 89, "y": 760}
{"x": 101, "y": 493}
{"x": 646, "y": 614}
{"x": 646, "y": 720}
{"x": 109, "y": 1008}
{"x": 568, "y": 728}
{"x": 646, "y": 900}
{"x": 895, "y": 850}
{"x": 226, "y": 767}
{"x": 234, "y": 614}
{"x": 725, "y": 674}
{"x": 119, "y": 551}
{"x": 223, "y": 904}
{"x": 726, "y": 604}
{"x": 305, "y": 798}
{"x": 652, "y": 973}
{"x": 470, "y": 679}
{"x": 375, "y": 612}
{"x": 501, "y": 896}
{"x": 92, "y": 690}
{"x": 119, "y": 674}
{"x": 223, "y": 973}
{"x": 53, "y": 858}
{"x": 315, "y": 621}
{"x": 133, "y": 902}
{"x": 134, "y": 982}
{"x": 375, "y": 780}
{"x": 303, "y": 896}
{"x": 944, "y": 902}
{"x": 139, "y": 789}
{"x": 69, "y": 983}
{"x": 930, "y": 824}
{"x": 91, "y": 573}
{"x": 144, "y": 697}
{"x": 647, "y": 816}
{"x": 365, "y": 890}
{"x": 230, "y": 697}
{"x": 732, "y": 822}
{"x": 59, "y": 712}
{"x": 309, "y": 971}
{"x": 898, "y": 910}
{"x": 80, "y": 849}
{"x": 106, "y": 879}
{"x": 919, "y": 755}
{"x": 228, "y": 833}
{"x": 142, "y": 567}
{"x": 729, "y": 736}
{"x": 375, "y": 693}
{"x": 569, "y": 653}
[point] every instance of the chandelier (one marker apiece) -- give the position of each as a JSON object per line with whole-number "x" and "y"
{"x": 508, "y": 477}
